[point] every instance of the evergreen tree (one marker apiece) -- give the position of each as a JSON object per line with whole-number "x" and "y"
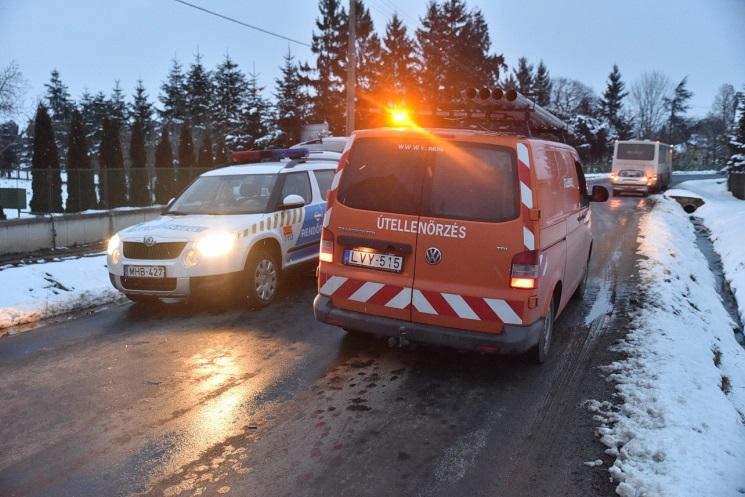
{"x": 185, "y": 157}
{"x": 229, "y": 97}
{"x": 221, "y": 151}
{"x": 140, "y": 191}
{"x": 612, "y": 103}
{"x": 399, "y": 79}
{"x": 46, "y": 182}
{"x": 329, "y": 45}
{"x": 254, "y": 131}
{"x": 293, "y": 102}
{"x": 94, "y": 109}
{"x": 454, "y": 49}
{"x": 740, "y": 128}
{"x": 60, "y": 106}
{"x": 173, "y": 95}
{"x": 524, "y": 76}
{"x": 198, "y": 93}
{"x": 10, "y": 143}
{"x": 205, "y": 159}
{"x": 542, "y": 85}
{"x": 81, "y": 189}
{"x": 165, "y": 171}
{"x": 117, "y": 105}
{"x": 677, "y": 106}
{"x": 141, "y": 109}
{"x": 112, "y": 179}
{"x": 368, "y": 52}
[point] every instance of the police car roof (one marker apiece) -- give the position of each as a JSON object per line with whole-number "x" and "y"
{"x": 315, "y": 160}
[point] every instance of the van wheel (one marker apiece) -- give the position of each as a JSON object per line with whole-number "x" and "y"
{"x": 579, "y": 293}
{"x": 262, "y": 276}
{"x": 541, "y": 349}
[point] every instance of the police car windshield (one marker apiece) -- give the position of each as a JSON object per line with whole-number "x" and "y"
{"x": 224, "y": 195}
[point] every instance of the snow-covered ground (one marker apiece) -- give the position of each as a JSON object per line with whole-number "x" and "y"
{"x": 679, "y": 428}
{"x": 36, "y": 291}
{"x": 724, "y": 215}
{"x": 697, "y": 172}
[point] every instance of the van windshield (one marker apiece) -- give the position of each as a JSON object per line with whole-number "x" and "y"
{"x": 454, "y": 180}
{"x": 635, "y": 151}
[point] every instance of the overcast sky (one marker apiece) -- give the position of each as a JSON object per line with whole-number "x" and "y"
{"x": 95, "y": 42}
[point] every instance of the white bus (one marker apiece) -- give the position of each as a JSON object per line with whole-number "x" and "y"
{"x": 641, "y": 166}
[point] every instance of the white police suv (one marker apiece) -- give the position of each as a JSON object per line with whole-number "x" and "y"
{"x": 234, "y": 229}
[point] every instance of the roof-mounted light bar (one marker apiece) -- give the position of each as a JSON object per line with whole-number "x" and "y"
{"x": 254, "y": 156}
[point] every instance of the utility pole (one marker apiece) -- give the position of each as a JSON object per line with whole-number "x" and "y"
{"x": 351, "y": 65}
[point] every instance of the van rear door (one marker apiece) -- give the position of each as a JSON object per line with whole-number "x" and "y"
{"x": 374, "y": 227}
{"x": 469, "y": 230}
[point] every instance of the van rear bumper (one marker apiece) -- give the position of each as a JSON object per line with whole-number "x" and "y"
{"x": 512, "y": 340}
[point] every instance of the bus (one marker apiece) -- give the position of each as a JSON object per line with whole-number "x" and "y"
{"x": 641, "y": 166}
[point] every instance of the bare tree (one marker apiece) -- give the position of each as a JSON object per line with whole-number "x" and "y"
{"x": 570, "y": 97}
{"x": 648, "y": 96}
{"x": 725, "y": 104}
{"x": 12, "y": 89}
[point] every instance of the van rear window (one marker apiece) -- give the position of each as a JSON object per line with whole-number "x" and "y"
{"x": 454, "y": 180}
{"x": 635, "y": 151}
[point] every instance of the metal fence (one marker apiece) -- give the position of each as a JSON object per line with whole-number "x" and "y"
{"x": 78, "y": 190}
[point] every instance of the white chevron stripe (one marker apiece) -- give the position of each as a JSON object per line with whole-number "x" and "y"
{"x": 504, "y": 311}
{"x": 335, "y": 182}
{"x": 327, "y": 218}
{"x": 522, "y": 154}
{"x": 460, "y": 306}
{"x": 526, "y": 195}
{"x": 366, "y": 291}
{"x": 332, "y": 285}
{"x": 528, "y": 239}
{"x": 401, "y": 300}
{"x": 421, "y": 304}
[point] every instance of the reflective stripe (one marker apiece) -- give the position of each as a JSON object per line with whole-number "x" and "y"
{"x": 503, "y": 310}
{"x": 366, "y": 291}
{"x": 421, "y": 303}
{"x": 327, "y": 217}
{"x": 401, "y": 300}
{"x": 335, "y": 182}
{"x": 332, "y": 285}
{"x": 528, "y": 239}
{"x": 461, "y": 308}
{"x": 522, "y": 154}
{"x": 526, "y": 195}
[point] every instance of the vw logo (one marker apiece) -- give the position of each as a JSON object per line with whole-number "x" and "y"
{"x": 433, "y": 256}
{"x": 149, "y": 241}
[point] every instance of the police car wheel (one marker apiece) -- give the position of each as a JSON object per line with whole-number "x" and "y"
{"x": 262, "y": 278}
{"x": 541, "y": 350}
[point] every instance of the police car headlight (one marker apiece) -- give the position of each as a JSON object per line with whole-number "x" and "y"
{"x": 113, "y": 245}
{"x": 216, "y": 244}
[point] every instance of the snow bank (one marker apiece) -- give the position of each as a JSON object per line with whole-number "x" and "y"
{"x": 680, "y": 429}
{"x": 37, "y": 291}
{"x": 724, "y": 215}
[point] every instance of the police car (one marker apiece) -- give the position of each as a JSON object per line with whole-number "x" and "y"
{"x": 234, "y": 229}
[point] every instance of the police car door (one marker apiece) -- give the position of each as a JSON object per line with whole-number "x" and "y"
{"x": 304, "y": 232}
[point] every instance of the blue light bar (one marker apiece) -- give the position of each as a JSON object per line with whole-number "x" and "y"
{"x": 289, "y": 153}
{"x": 256, "y": 156}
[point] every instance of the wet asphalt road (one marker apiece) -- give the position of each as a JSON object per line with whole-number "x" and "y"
{"x": 224, "y": 401}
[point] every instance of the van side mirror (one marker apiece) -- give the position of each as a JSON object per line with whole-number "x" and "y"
{"x": 599, "y": 194}
{"x": 292, "y": 201}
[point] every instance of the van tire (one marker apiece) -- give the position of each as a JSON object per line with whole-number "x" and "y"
{"x": 541, "y": 350}
{"x": 579, "y": 293}
{"x": 261, "y": 277}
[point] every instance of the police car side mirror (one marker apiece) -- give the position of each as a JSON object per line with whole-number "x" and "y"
{"x": 599, "y": 194}
{"x": 291, "y": 201}
{"x": 168, "y": 205}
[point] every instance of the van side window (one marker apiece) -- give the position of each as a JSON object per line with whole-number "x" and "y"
{"x": 298, "y": 184}
{"x": 584, "y": 199}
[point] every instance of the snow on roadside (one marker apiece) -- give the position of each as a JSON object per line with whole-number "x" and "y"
{"x": 724, "y": 215}
{"x": 679, "y": 430}
{"x": 37, "y": 291}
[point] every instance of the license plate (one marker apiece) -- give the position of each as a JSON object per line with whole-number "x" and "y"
{"x": 374, "y": 260}
{"x": 145, "y": 271}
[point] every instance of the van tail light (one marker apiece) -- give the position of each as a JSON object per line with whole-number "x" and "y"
{"x": 525, "y": 267}
{"x": 327, "y": 246}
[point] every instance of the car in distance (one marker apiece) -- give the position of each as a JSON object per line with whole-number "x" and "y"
{"x": 231, "y": 232}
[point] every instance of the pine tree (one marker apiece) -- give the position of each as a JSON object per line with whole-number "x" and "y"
{"x": 368, "y": 52}
{"x": 740, "y": 128}
{"x": 677, "y": 106}
{"x": 293, "y": 102}
{"x": 205, "y": 158}
{"x": 221, "y": 151}
{"x": 46, "y": 182}
{"x": 81, "y": 189}
{"x": 94, "y": 109}
{"x": 185, "y": 157}
{"x": 612, "y": 103}
{"x": 173, "y": 95}
{"x": 112, "y": 180}
{"x": 524, "y": 76}
{"x": 141, "y": 109}
{"x": 228, "y": 102}
{"x": 542, "y": 85}
{"x": 165, "y": 171}
{"x": 256, "y": 114}
{"x": 60, "y": 106}
{"x": 399, "y": 79}
{"x": 140, "y": 191}
{"x": 117, "y": 105}
{"x": 329, "y": 45}
{"x": 199, "y": 93}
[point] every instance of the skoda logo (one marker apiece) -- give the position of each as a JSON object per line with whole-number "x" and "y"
{"x": 433, "y": 256}
{"x": 149, "y": 241}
